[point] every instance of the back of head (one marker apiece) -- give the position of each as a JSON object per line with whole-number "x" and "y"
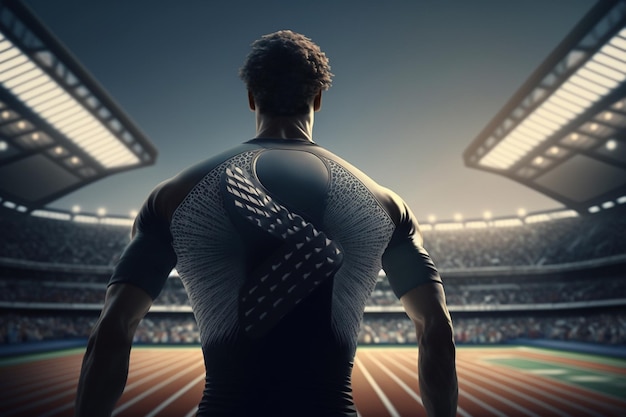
{"x": 284, "y": 71}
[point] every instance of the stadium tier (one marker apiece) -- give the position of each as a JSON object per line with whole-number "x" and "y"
{"x": 562, "y": 279}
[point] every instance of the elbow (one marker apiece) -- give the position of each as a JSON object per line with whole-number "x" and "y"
{"x": 110, "y": 336}
{"x": 436, "y": 333}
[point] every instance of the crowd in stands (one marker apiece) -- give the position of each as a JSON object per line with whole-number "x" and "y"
{"x": 602, "y": 328}
{"x": 608, "y": 329}
{"x": 546, "y": 243}
{"x": 557, "y": 241}
{"x": 56, "y": 242}
{"x": 524, "y": 292}
{"x": 539, "y": 291}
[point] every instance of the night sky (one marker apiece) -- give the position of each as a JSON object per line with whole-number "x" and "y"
{"x": 415, "y": 82}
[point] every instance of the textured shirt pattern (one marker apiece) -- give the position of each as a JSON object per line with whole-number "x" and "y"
{"x": 302, "y": 362}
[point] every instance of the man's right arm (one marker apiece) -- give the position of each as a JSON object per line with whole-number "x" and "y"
{"x": 426, "y": 307}
{"x": 415, "y": 280}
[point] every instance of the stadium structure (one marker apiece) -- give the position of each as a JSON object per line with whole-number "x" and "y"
{"x": 513, "y": 275}
{"x": 59, "y": 129}
{"x": 554, "y": 278}
{"x": 563, "y": 132}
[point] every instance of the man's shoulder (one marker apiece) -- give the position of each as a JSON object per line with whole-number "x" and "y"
{"x": 167, "y": 195}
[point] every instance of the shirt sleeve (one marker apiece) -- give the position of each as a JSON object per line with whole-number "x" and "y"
{"x": 149, "y": 257}
{"x": 405, "y": 262}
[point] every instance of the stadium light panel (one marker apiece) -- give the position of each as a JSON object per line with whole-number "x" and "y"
{"x": 560, "y": 131}
{"x": 537, "y": 218}
{"x": 608, "y": 204}
{"x": 86, "y": 219}
{"x": 507, "y": 223}
{"x": 448, "y": 226}
{"x": 476, "y": 225}
{"x": 116, "y": 221}
{"x": 48, "y": 99}
{"x": 592, "y": 81}
{"x": 47, "y": 214}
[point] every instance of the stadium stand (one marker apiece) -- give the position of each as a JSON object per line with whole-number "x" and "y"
{"x": 562, "y": 279}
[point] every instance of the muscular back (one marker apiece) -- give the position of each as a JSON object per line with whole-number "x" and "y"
{"x": 279, "y": 244}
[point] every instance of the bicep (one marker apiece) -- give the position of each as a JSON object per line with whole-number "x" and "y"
{"x": 426, "y": 304}
{"x": 146, "y": 263}
{"x": 407, "y": 266}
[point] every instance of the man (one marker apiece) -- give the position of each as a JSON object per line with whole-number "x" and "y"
{"x": 278, "y": 243}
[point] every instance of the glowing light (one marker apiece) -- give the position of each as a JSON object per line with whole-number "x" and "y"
{"x": 101, "y": 212}
{"x": 591, "y": 82}
{"x": 3, "y": 146}
{"x": 521, "y": 212}
{"x": 487, "y": 215}
{"x": 611, "y": 145}
{"x": 40, "y": 92}
{"x": 538, "y": 160}
{"x": 608, "y": 204}
{"x": 76, "y": 209}
{"x": 458, "y": 217}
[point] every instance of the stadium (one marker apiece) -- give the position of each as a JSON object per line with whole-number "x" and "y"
{"x": 538, "y": 299}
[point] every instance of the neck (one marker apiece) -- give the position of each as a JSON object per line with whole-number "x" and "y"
{"x": 283, "y": 127}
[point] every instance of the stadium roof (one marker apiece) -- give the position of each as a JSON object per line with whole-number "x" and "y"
{"x": 59, "y": 129}
{"x": 563, "y": 133}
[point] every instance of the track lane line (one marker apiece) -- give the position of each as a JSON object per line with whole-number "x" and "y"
{"x": 405, "y": 387}
{"x": 467, "y": 379}
{"x": 411, "y": 371}
{"x": 176, "y": 395}
{"x": 381, "y": 395}
{"x": 498, "y": 373}
{"x": 71, "y": 393}
{"x": 484, "y": 375}
{"x": 135, "y": 399}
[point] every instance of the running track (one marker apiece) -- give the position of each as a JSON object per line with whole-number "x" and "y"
{"x": 506, "y": 382}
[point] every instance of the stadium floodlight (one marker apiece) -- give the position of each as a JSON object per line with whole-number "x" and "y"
{"x": 55, "y": 118}
{"x": 24, "y": 77}
{"x": 557, "y": 133}
{"x": 570, "y": 100}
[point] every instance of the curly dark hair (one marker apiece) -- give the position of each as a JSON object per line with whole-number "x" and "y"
{"x": 284, "y": 71}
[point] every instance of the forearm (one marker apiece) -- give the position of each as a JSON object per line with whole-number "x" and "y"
{"x": 102, "y": 380}
{"x": 437, "y": 372}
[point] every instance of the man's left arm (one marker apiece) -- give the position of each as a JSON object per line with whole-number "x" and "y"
{"x": 105, "y": 364}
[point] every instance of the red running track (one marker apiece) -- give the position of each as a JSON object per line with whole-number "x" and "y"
{"x": 505, "y": 382}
